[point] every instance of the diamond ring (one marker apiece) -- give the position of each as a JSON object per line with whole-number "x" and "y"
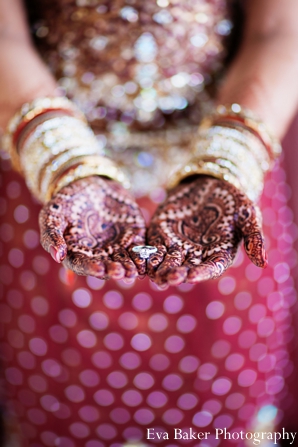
{"x": 144, "y": 251}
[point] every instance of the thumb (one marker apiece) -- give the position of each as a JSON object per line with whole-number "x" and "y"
{"x": 250, "y": 220}
{"x": 52, "y": 224}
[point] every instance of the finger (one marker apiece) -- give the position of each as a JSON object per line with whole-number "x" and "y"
{"x": 120, "y": 255}
{"x": 139, "y": 262}
{"x": 115, "y": 270}
{"x": 210, "y": 268}
{"x": 251, "y": 228}
{"x": 255, "y": 248}
{"x": 155, "y": 260}
{"x": 177, "y": 276}
{"x": 173, "y": 259}
{"x": 81, "y": 264}
{"x": 52, "y": 224}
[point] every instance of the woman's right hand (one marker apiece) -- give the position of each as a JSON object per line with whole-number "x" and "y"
{"x": 91, "y": 226}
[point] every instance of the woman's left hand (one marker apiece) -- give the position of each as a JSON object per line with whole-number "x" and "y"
{"x": 198, "y": 230}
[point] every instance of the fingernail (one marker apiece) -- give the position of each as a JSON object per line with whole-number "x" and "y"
{"x": 55, "y": 254}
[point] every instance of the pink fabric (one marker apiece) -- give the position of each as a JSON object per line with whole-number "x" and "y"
{"x": 92, "y": 363}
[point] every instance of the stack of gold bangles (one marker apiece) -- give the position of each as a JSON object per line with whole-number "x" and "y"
{"x": 233, "y": 145}
{"x": 50, "y": 142}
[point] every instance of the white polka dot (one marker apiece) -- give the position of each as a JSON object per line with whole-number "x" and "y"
{"x": 223, "y": 421}
{"x": 189, "y": 364}
{"x": 226, "y": 285}
{"x": 117, "y": 379}
{"x": 38, "y": 346}
{"x": 257, "y": 351}
{"x": 95, "y": 283}
{"x": 158, "y": 322}
{"x": 207, "y": 371}
{"x": 232, "y": 325}
{"x": 247, "y": 377}
{"x": 221, "y": 386}
{"x": 16, "y": 257}
{"x": 143, "y": 381}
{"x": 102, "y": 359}
{"x": 14, "y": 376}
{"x": 120, "y": 416}
{"x": 26, "y": 323}
{"x": 88, "y": 413}
{"x": 6, "y": 235}
{"x": 79, "y": 430}
{"x": 274, "y": 385}
{"x": 252, "y": 272}
{"x": 257, "y": 312}
{"x": 87, "y": 338}
{"x": 51, "y": 367}
{"x": 144, "y": 416}
{"x": 172, "y": 382}
{"x": 89, "y": 378}
{"x": 74, "y": 393}
{"x": 186, "y": 324}
{"x": 159, "y": 362}
{"x": 173, "y": 304}
{"x": 38, "y": 383}
{"x": 71, "y": 357}
{"x": 247, "y": 338}
{"x": 15, "y": 338}
{"x": 49, "y": 402}
{"x": 142, "y": 302}
{"x": 243, "y": 300}
{"x": 13, "y": 190}
{"x": 215, "y": 310}
{"x": 104, "y": 398}
{"x": 141, "y": 342}
{"x": 267, "y": 363}
{"x": 31, "y": 239}
{"x": 157, "y": 399}
{"x": 39, "y": 305}
{"x": 266, "y": 327}
{"x": 28, "y": 280}
{"x": 58, "y": 333}
{"x": 82, "y": 298}
{"x": 130, "y": 360}
{"x": 281, "y": 272}
{"x": 265, "y": 286}
{"x": 113, "y": 299}
{"x": 213, "y": 406}
{"x": 36, "y": 416}
{"x": 99, "y": 321}
{"x": 172, "y": 416}
{"x": 128, "y": 320}
{"x": 132, "y": 398}
{"x": 187, "y": 401}
{"x": 235, "y": 401}
{"x": 26, "y": 360}
{"x": 21, "y": 214}
{"x": 106, "y": 431}
{"x": 174, "y": 343}
{"x": 113, "y": 341}
{"x": 234, "y": 362}
{"x": 15, "y": 299}
{"x": 67, "y": 317}
{"x": 220, "y": 349}
{"x": 202, "y": 419}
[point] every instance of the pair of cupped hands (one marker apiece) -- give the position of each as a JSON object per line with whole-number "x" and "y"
{"x": 93, "y": 224}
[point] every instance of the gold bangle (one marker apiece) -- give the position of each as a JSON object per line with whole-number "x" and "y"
{"x": 89, "y": 166}
{"x": 234, "y": 155}
{"x": 236, "y": 115}
{"x": 27, "y": 113}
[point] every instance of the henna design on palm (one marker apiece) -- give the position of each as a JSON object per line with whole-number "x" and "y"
{"x": 198, "y": 230}
{"x": 91, "y": 226}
